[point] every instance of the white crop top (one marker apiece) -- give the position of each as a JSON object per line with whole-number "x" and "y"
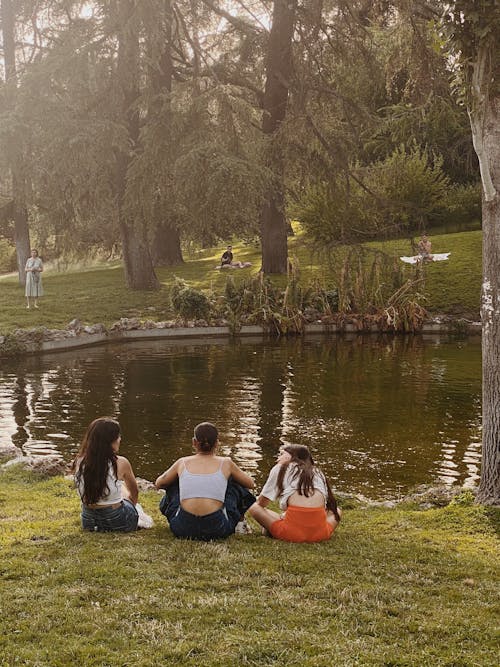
{"x": 114, "y": 485}
{"x": 202, "y": 485}
{"x": 290, "y": 484}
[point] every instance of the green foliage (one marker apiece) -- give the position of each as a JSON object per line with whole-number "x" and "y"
{"x": 280, "y": 310}
{"x": 8, "y": 260}
{"x": 464, "y": 499}
{"x": 410, "y": 185}
{"x": 472, "y": 26}
{"x": 438, "y": 125}
{"x": 369, "y": 294}
{"x": 200, "y": 165}
{"x": 373, "y": 287}
{"x": 10, "y": 346}
{"x": 404, "y": 192}
{"x": 256, "y": 300}
{"x": 189, "y": 302}
{"x": 462, "y": 204}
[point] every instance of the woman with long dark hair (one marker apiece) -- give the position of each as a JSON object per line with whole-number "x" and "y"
{"x": 310, "y": 509}
{"x": 206, "y": 495}
{"x": 105, "y": 481}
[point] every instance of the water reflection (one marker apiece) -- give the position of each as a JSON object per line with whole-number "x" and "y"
{"x": 381, "y": 414}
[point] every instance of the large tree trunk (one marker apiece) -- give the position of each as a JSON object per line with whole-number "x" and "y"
{"x": 489, "y": 488}
{"x": 166, "y": 248}
{"x": 139, "y": 271}
{"x": 278, "y": 73}
{"x": 21, "y": 227}
{"x": 20, "y": 211}
{"x": 485, "y": 123}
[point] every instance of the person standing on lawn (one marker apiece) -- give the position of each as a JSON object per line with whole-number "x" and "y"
{"x": 34, "y": 287}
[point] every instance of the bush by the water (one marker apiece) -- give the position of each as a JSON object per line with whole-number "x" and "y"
{"x": 188, "y": 302}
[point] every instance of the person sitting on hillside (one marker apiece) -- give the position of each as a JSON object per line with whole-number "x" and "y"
{"x": 227, "y": 257}
{"x": 206, "y": 495}
{"x": 310, "y": 509}
{"x": 425, "y": 254}
{"x": 226, "y": 261}
{"x": 425, "y": 248}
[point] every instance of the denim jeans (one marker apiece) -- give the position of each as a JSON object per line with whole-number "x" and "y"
{"x": 219, "y": 524}
{"x": 123, "y": 518}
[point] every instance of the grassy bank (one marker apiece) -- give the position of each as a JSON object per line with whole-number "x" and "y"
{"x": 99, "y": 294}
{"x": 394, "y": 587}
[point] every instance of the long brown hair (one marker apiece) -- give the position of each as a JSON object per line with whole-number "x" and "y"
{"x": 93, "y": 460}
{"x": 305, "y": 469}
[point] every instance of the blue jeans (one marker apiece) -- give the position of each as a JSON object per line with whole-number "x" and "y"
{"x": 123, "y": 518}
{"x": 213, "y": 526}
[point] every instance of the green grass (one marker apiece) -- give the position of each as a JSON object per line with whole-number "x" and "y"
{"x": 394, "y": 587}
{"x": 100, "y": 295}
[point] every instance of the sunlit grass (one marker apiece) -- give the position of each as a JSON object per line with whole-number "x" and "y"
{"x": 393, "y": 587}
{"x": 99, "y": 294}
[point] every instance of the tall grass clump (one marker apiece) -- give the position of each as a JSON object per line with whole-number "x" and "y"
{"x": 373, "y": 292}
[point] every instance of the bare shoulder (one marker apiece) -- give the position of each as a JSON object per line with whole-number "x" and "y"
{"x": 123, "y": 463}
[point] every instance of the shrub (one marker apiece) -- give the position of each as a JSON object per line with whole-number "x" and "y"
{"x": 406, "y": 191}
{"x": 8, "y": 260}
{"x": 464, "y": 499}
{"x": 463, "y": 204}
{"x": 331, "y": 213}
{"x": 188, "y": 302}
{"x": 10, "y": 346}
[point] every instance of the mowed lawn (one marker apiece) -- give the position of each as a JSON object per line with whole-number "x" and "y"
{"x": 394, "y": 587}
{"x": 99, "y": 294}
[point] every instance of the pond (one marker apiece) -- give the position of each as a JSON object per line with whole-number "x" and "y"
{"x": 381, "y": 414}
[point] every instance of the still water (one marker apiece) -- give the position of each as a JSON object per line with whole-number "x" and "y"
{"x": 380, "y": 414}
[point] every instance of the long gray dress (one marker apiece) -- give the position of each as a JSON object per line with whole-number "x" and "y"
{"x": 34, "y": 285}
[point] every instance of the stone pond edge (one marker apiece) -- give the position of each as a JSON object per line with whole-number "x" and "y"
{"x": 36, "y": 341}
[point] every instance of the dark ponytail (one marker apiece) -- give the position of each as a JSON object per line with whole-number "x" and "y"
{"x": 206, "y": 435}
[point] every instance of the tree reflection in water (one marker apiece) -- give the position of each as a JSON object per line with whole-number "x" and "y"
{"x": 380, "y": 413}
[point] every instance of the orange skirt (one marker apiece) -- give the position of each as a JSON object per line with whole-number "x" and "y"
{"x": 302, "y": 524}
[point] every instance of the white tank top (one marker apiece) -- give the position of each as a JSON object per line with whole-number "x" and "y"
{"x": 114, "y": 485}
{"x": 211, "y": 485}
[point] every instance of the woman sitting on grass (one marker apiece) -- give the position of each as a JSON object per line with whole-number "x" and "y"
{"x": 105, "y": 481}
{"x": 311, "y": 513}
{"x": 206, "y": 495}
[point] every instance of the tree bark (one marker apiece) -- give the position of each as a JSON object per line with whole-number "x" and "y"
{"x": 486, "y": 126}
{"x": 278, "y": 73}
{"x": 166, "y": 248}
{"x": 139, "y": 271}
{"x": 19, "y": 208}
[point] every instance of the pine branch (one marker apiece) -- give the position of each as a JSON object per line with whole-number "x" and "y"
{"x": 239, "y": 24}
